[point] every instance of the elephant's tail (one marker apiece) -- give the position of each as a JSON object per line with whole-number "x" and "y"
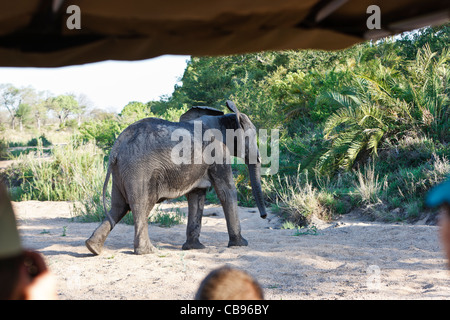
{"x": 105, "y": 185}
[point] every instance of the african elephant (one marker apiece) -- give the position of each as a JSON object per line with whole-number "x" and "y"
{"x": 146, "y": 169}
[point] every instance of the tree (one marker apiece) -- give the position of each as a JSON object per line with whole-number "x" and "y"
{"x": 10, "y": 98}
{"x": 23, "y": 114}
{"x": 135, "y": 111}
{"x": 36, "y": 103}
{"x": 428, "y": 89}
{"x": 211, "y": 80}
{"x": 84, "y": 104}
{"x": 40, "y": 113}
{"x": 100, "y": 114}
{"x": 358, "y": 126}
{"x": 387, "y": 100}
{"x": 63, "y": 106}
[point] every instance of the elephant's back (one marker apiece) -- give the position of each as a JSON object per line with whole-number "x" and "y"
{"x": 142, "y": 159}
{"x": 146, "y": 128}
{"x": 143, "y": 136}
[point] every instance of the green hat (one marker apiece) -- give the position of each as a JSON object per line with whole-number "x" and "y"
{"x": 439, "y": 195}
{"x": 9, "y": 236}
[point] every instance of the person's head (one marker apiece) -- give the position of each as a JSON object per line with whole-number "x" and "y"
{"x": 439, "y": 196}
{"x": 228, "y": 283}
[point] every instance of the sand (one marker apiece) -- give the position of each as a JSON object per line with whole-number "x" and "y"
{"x": 345, "y": 259}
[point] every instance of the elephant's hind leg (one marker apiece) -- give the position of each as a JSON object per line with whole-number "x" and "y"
{"x": 119, "y": 209}
{"x": 196, "y": 202}
{"x": 141, "y": 211}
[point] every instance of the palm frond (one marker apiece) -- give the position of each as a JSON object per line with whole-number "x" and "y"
{"x": 340, "y": 117}
{"x": 375, "y": 136}
{"x": 356, "y": 146}
{"x": 345, "y": 100}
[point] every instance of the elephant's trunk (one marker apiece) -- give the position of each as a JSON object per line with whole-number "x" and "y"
{"x": 255, "y": 180}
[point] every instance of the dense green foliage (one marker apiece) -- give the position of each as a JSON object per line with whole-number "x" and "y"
{"x": 363, "y": 128}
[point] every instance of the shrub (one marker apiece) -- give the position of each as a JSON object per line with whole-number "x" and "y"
{"x": 299, "y": 200}
{"x": 41, "y": 140}
{"x": 243, "y": 186}
{"x": 368, "y": 186}
{"x": 102, "y": 133}
{"x": 211, "y": 196}
{"x": 167, "y": 219}
{"x": 3, "y": 150}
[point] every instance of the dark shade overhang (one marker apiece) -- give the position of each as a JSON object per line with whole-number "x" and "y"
{"x": 33, "y": 33}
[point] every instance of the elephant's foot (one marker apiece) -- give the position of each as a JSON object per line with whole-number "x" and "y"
{"x": 146, "y": 249}
{"x": 96, "y": 241}
{"x": 94, "y": 247}
{"x": 193, "y": 244}
{"x": 238, "y": 242}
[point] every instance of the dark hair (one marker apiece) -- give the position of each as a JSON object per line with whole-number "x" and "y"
{"x": 227, "y": 283}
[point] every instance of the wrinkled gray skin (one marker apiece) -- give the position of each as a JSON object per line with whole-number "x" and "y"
{"x": 143, "y": 175}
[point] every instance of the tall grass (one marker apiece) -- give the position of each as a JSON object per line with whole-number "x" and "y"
{"x": 368, "y": 186}
{"x": 299, "y": 200}
{"x": 71, "y": 173}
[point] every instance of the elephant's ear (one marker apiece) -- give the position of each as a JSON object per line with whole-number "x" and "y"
{"x": 232, "y": 107}
{"x": 197, "y": 112}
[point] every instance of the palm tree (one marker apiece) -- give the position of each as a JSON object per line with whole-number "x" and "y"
{"x": 386, "y": 100}
{"x": 429, "y": 90}
{"x": 356, "y": 127}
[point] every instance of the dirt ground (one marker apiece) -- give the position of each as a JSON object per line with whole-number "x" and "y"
{"x": 345, "y": 259}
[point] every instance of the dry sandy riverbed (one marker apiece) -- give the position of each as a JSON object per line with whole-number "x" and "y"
{"x": 347, "y": 259}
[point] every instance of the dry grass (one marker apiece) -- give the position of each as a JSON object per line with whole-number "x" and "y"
{"x": 368, "y": 186}
{"x": 299, "y": 200}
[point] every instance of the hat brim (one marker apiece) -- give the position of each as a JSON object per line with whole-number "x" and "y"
{"x": 9, "y": 236}
{"x": 439, "y": 195}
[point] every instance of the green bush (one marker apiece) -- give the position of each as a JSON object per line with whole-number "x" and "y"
{"x": 41, "y": 140}
{"x": 243, "y": 186}
{"x": 166, "y": 218}
{"x": 102, "y": 133}
{"x": 3, "y": 150}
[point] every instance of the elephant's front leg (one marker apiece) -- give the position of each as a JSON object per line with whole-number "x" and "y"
{"x": 196, "y": 202}
{"x": 222, "y": 179}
